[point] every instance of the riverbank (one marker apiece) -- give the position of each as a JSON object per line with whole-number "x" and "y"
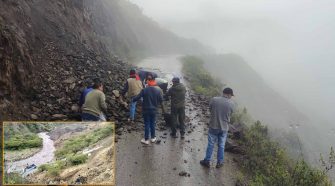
{"x": 16, "y": 155}
{"x": 45, "y": 155}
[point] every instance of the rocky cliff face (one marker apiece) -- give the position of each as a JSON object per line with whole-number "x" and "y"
{"x": 49, "y": 49}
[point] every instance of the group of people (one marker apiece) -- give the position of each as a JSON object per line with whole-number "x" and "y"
{"x": 93, "y": 107}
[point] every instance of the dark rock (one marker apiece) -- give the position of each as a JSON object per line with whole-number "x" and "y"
{"x": 184, "y": 173}
{"x": 233, "y": 147}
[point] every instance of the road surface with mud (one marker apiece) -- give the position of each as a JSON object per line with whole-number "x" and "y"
{"x": 172, "y": 161}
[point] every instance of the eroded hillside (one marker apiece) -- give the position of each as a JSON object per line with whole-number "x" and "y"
{"x": 50, "y": 49}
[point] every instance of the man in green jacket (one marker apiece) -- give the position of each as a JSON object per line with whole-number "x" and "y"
{"x": 177, "y": 93}
{"x": 95, "y": 103}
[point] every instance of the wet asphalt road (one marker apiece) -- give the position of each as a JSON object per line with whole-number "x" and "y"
{"x": 160, "y": 164}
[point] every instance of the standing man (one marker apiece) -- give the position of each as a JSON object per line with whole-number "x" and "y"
{"x": 152, "y": 98}
{"x": 132, "y": 87}
{"x": 177, "y": 93}
{"x": 95, "y": 103}
{"x": 221, "y": 109}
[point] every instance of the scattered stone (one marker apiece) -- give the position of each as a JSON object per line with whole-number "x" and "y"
{"x": 116, "y": 93}
{"x": 59, "y": 116}
{"x": 75, "y": 108}
{"x": 33, "y": 116}
{"x": 70, "y": 80}
{"x": 184, "y": 173}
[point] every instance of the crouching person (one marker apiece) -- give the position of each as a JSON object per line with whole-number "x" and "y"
{"x": 221, "y": 109}
{"x": 95, "y": 104}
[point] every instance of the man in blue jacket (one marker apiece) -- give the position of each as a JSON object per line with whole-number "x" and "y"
{"x": 152, "y": 97}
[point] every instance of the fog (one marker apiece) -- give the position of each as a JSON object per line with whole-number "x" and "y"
{"x": 289, "y": 43}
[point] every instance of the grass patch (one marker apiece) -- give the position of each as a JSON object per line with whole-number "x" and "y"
{"x": 68, "y": 154}
{"x": 23, "y": 141}
{"x": 14, "y": 178}
{"x": 268, "y": 163}
{"x": 78, "y": 159}
{"x": 199, "y": 78}
{"x": 78, "y": 143}
{"x": 53, "y": 169}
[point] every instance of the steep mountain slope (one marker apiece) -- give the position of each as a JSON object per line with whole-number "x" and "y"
{"x": 266, "y": 105}
{"x": 252, "y": 91}
{"x": 49, "y": 49}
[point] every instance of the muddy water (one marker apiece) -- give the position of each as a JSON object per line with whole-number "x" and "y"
{"x": 160, "y": 164}
{"x": 46, "y": 155}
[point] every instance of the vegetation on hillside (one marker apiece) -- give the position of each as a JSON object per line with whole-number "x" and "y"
{"x": 24, "y": 136}
{"x": 15, "y": 178}
{"x": 78, "y": 143}
{"x": 200, "y": 80}
{"x": 265, "y": 160}
{"x": 69, "y": 154}
{"x": 20, "y": 141}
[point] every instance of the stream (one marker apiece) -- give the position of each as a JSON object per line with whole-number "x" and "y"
{"x": 44, "y": 156}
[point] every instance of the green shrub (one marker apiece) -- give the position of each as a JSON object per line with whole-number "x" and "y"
{"x": 199, "y": 78}
{"x": 78, "y": 143}
{"x": 14, "y": 178}
{"x": 19, "y": 141}
{"x": 269, "y": 164}
{"x": 78, "y": 159}
{"x": 53, "y": 169}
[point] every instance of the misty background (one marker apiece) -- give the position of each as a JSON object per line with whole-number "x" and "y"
{"x": 289, "y": 43}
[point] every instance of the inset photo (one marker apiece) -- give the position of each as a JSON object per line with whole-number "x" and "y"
{"x": 47, "y": 153}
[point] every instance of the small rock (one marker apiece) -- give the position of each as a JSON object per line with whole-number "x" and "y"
{"x": 69, "y": 80}
{"x": 33, "y": 116}
{"x": 59, "y": 116}
{"x": 116, "y": 93}
{"x": 183, "y": 173}
{"x": 75, "y": 108}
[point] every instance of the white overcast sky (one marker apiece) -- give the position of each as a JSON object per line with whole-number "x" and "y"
{"x": 291, "y": 43}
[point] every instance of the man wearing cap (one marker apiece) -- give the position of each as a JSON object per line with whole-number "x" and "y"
{"x": 132, "y": 87}
{"x": 221, "y": 109}
{"x": 177, "y": 93}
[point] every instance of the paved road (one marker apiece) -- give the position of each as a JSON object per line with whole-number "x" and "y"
{"x": 160, "y": 164}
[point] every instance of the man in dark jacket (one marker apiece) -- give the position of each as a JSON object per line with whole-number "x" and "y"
{"x": 221, "y": 109}
{"x": 152, "y": 98}
{"x": 177, "y": 93}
